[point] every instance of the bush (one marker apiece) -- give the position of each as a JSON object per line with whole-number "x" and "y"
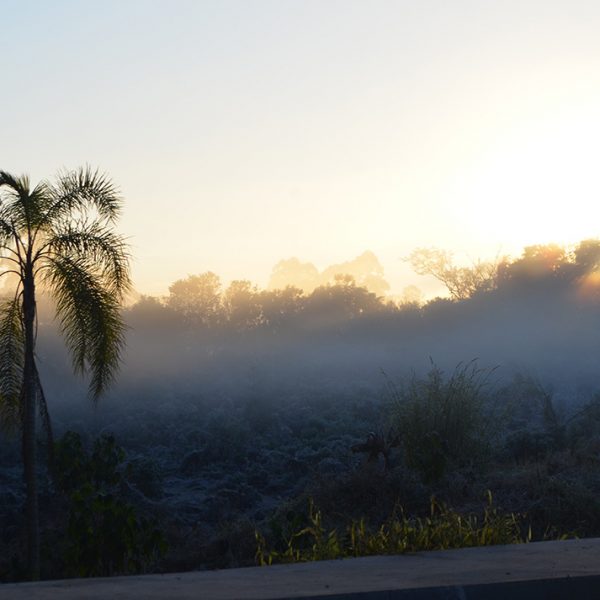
{"x": 443, "y": 422}
{"x": 105, "y": 535}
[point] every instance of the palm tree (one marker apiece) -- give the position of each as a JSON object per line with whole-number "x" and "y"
{"x": 58, "y": 237}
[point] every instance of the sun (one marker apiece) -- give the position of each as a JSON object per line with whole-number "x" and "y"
{"x": 535, "y": 184}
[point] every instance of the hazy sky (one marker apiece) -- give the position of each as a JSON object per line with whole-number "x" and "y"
{"x": 242, "y": 132}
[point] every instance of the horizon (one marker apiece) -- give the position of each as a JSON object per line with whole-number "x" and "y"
{"x": 241, "y": 135}
{"x": 427, "y": 285}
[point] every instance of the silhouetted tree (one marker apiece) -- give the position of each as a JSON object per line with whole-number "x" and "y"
{"x": 461, "y": 282}
{"x": 279, "y": 307}
{"x": 292, "y": 272}
{"x": 330, "y": 304}
{"x": 366, "y": 270}
{"x": 58, "y": 236}
{"x": 587, "y": 256}
{"x": 539, "y": 262}
{"x": 150, "y": 312}
{"x": 242, "y": 305}
{"x": 411, "y": 294}
{"x": 198, "y": 298}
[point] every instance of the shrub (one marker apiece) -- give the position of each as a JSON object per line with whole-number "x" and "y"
{"x": 105, "y": 534}
{"x": 443, "y": 422}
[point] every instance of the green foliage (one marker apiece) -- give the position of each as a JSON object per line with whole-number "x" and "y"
{"x": 105, "y": 535}
{"x": 312, "y": 542}
{"x": 442, "y": 422}
{"x": 443, "y": 529}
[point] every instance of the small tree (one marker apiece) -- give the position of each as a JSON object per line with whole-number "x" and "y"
{"x": 58, "y": 236}
{"x": 461, "y": 282}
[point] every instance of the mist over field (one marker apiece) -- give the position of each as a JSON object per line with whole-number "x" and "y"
{"x": 235, "y": 404}
{"x": 343, "y": 339}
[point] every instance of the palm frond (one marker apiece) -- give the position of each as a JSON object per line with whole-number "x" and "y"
{"x": 100, "y": 249}
{"x": 80, "y": 191}
{"x": 21, "y": 207}
{"x": 6, "y": 228}
{"x": 15, "y": 199}
{"x": 18, "y": 185}
{"x": 37, "y": 205}
{"x": 11, "y": 361}
{"x": 90, "y": 320}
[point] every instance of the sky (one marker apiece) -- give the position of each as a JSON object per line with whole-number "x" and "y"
{"x": 244, "y": 132}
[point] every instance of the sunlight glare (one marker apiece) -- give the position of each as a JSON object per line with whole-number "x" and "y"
{"x": 536, "y": 185}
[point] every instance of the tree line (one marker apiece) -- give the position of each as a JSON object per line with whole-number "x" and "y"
{"x": 201, "y": 301}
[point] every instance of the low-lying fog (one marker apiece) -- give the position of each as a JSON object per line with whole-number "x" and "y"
{"x": 339, "y": 341}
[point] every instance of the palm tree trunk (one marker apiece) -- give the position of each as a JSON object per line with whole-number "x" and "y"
{"x": 29, "y": 431}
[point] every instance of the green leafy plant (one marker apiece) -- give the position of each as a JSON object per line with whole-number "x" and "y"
{"x": 105, "y": 534}
{"x": 443, "y": 529}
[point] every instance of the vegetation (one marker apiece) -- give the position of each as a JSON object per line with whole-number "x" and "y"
{"x": 443, "y": 423}
{"x": 233, "y": 467}
{"x": 104, "y": 533}
{"x": 461, "y": 282}
{"x": 232, "y": 418}
{"x": 365, "y": 270}
{"x": 442, "y": 529}
{"x": 344, "y": 299}
{"x": 57, "y": 236}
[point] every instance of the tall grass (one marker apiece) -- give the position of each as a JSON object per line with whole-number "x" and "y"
{"x": 443, "y": 529}
{"x": 443, "y": 421}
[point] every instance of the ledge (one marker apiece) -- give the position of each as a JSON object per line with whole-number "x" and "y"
{"x": 566, "y": 569}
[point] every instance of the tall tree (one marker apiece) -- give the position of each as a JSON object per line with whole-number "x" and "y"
{"x": 58, "y": 237}
{"x": 241, "y": 302}
{"x": 198, "y": 298}
{"x": 292, "y": 272}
